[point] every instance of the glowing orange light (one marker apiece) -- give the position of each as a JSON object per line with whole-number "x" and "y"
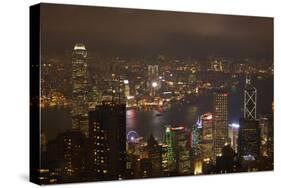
{"x": 177, "y": 128}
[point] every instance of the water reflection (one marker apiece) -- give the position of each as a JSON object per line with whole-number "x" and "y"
{"x": 56, "y": 120}
{"x": 153, "y": 122}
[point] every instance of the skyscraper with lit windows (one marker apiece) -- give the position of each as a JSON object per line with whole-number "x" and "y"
{"x": 266, "y": 134}
{"x": 168, "y": 141}
{"x": 207, "y": 136}
{"x": 80, "y": 88}
{"x": 71, "y": 153}
{"x": 197, "y": 139}
{"x": 181, "y": 148}
{"x": 107, "y": 141}
{"x": 220, "y": 120}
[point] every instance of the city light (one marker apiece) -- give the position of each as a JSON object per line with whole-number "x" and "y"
{"x": 177, "y": 128}
{"x": 198, "y": 167}
{"x": 130, "y": 97}
{"x": 209, "y": 117}
{"x": 154, "y": 84}
{"x": 235, "y": 125}
{"x": 126, "y": 81}
{"x": 249, "y": 157}
{"x": 79, "y": 47}
{"x": 167, "y": 129}
{"x": 133, "y": 115}
{"x": 132, "y": 136}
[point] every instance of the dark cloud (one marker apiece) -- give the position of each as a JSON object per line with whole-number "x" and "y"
{"x": 144, "y": 32}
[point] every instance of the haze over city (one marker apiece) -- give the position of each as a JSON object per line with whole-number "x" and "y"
{"x": 129, "y": 93}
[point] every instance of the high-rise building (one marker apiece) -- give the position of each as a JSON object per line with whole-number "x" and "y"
{"x": 164, "y": 155}
{"x": 80, "y": 88}
{"x": 71, "y": 155}
{"x": 154, "y": 154}
{"x": 153, "y": 79}
{"x": 153, "y": 72}
{"x": 126, "y": 88}
{"x": 207, "y": 136}
{"x": 107, "y": 141}
{"x": 197, "y": 139}
{"x": 249, "y": 139}
{"x": 250, "y": 100}
{"x": 233, "y": 130}
{"x": 181, "y": 148}
{"x": 220, "y": 120}
{"x": 168, "y": 141}
{"x": 249, "y": 132}
{"x": 202, "y": 143}
{"x": 196, "y": 145}
{"x": 266, "y": 134}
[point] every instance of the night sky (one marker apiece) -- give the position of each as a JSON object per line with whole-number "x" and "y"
{"x": 139, "y": 33}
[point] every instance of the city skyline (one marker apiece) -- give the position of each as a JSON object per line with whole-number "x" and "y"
{"x": 185, "y": 150}
{"x": 156, "y": 98}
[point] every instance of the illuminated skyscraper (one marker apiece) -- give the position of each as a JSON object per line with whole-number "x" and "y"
{"x": 80, "y": 88}
{"x": 164, "y": 155}
{"x": 207, "y": 136}
{"x": 249, "y": 132}
{"x": 197, "y": 147}
{"x": 168, "y": 139}
{"x": 181, "y": 148}
{"x": 107, "y": 141}
{"x": 153, "y": 72}
{"x": 233, "y": 136}
{"x": 126, "y": 88}
{"x": 220, "y": 120}
{"x": 250, "y": 100}
{"x": 153, "y": 79}
{"x": 197, "y": 139}
{"x": 266, "y": 134}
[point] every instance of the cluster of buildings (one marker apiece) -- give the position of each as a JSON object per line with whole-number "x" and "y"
{"x": 97, "y": 147}
{"x": 220, "y": 147}
{"x": 144, "y": 82}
